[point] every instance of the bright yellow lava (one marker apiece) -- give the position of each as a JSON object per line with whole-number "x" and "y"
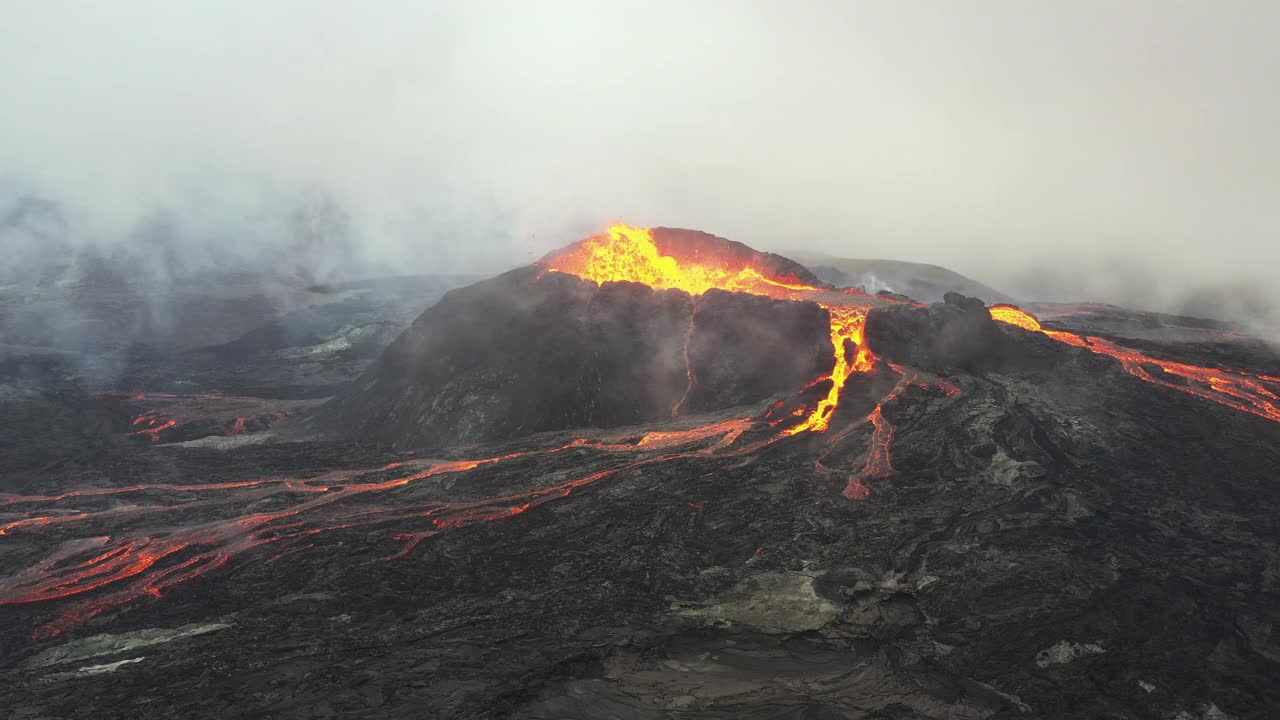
{"x": 629, "y": 254}
{"x": 847, "y": 323}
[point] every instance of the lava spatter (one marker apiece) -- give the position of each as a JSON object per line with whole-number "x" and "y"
{"x": 1236, "y": 389}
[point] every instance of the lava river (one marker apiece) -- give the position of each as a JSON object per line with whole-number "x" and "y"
{"x": 1236, "y": 389}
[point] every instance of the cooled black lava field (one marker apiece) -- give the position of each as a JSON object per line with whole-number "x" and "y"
{"x": 654, "y": 475}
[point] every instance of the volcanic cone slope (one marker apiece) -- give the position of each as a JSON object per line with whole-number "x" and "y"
{"x": 991, "y": 517}
{"x": 535, "y": 350}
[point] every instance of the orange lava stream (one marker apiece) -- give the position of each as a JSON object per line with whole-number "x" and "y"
{"x": 139, "y": 564}
{"x": 879, "y": 462}
{"x": 1242, "y": 391}
{"x": 847, "y": 323}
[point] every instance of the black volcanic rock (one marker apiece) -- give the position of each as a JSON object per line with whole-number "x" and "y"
{"x": 1056, "y": 538}
{"x": 742, "y": 343}
{"x": 924, "y": 282}
{"x": 1065, "y": 541}
{"x": 528, "y": 352}
{"x": 893, "y": 296}
{"x": 946, "y": 337}
{"x": 963, "y": 302}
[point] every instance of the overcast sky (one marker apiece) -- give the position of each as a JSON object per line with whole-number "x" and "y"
{"x": 985, "y": 136}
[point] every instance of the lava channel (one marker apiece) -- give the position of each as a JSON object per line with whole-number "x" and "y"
{"x": 1236, "y": 389}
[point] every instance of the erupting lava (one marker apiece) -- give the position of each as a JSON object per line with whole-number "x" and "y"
{"x": 627, "y": 254}
{"x": 1236, "y": 389}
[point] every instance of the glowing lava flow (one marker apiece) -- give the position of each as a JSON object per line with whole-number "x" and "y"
{"x": 878, "y": 464}
{"x": 847, "y": 324}
{"x": 135, "y": 565}
{"x": 102, "y": 568}
{"x": 1235, "y": 389}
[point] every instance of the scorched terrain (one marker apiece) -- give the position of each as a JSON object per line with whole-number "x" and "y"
{"x": 656, "y": 474}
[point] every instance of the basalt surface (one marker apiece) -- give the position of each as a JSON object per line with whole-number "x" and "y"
{"x": 1042, "y": 532}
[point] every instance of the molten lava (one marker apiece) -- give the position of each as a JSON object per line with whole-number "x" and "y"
{"x": 1236, "y": 389}
{"x": 1015, "y": 316}
{"x": 627, "y": 254}
{"x": 847, "y": 324}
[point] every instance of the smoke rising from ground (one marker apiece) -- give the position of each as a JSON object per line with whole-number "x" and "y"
{"x": 1121, "y": 152}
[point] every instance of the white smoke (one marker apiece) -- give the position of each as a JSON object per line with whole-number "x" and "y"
{"x": 873, "y": 284}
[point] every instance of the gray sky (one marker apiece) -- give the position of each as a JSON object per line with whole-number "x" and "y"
{"x": 987, "y": 136}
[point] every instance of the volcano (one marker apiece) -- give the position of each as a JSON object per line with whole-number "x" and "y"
{"x": 660, "y": 474}
{"x": 538, "y": 349}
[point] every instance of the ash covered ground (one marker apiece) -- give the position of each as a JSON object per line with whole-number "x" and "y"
{"x": 550, "y": 498}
